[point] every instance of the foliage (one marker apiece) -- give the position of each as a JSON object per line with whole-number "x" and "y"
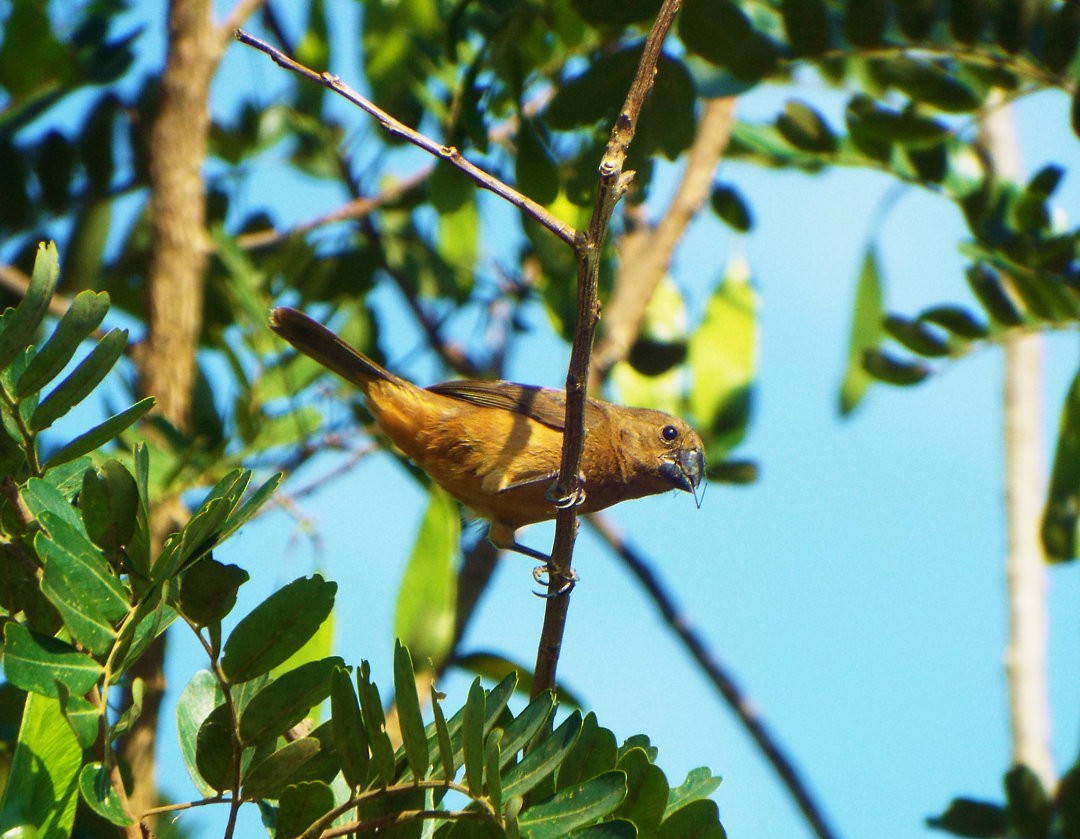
{"x": 83, "y": 597}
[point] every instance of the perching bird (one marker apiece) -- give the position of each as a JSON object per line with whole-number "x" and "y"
{"x": 497, "y": 446}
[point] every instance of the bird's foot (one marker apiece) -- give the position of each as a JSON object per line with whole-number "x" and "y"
{"x": 574, "y": 498}
{"x": 542, "y": 575}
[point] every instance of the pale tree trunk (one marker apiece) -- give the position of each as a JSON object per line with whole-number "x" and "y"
{"x": 1025, "y": 565}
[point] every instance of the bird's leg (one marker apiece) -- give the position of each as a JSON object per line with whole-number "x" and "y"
{"x": 546, "y": 568}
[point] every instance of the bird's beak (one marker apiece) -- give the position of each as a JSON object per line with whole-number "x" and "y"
{"x": 684, "y": 469}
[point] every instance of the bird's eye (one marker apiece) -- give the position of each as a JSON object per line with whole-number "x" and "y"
{"x": 669, "y": 432}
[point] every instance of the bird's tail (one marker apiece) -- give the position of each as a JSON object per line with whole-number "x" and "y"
{"x": 316, "y": 341}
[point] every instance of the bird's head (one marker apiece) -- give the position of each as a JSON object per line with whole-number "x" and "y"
{"x": 668, "y": 452}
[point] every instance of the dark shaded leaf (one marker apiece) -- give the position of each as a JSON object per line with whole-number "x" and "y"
{"x": 208, "y": 590}
{"x": 729, "y": 204}
{"x": 594, "y": 752}
{"x": 916, "y": 17}
{"x": 277, "y": 628}
{"x": 957, "y": 320}
{"x": 886, "y": 367}
{"x": 1063, "y": 492}
{"x": 807, "y": 25}
{"x": 542, "y": 760}
{"x": 700, "y": 819}
{"x": 966, "y": 817}
{"x": 535, "y": 168}
{"x": 301, "y": 805}
{"x": 286, "y": 700}
{"x": 1029, "y": 807}
{"x": 214, "y": 745}
{"x": 1067, "y": 798}
{"x": 575, "y": 807}
{"x": 472, "y": 738}
{"x": 646, "y": 791}
{"x": 992, "y": 295}
{"x": 864, "y": 24}
{"x": 100, "y": 796}
{"x": 721, "y": 33}
{"x": 268, "y": 778}
{"x": 350, "y": 736}
{"x": 917, "y": 337}
{"x": 1062, "y": 37}
{"x": 805, "y": 128}
{"x": 616, "y": 15}
{"x": 931, "y": 84}
{"x": 82, "y": 715}
{"x": 109, "y": 504}
{"x": 967, "y": 19}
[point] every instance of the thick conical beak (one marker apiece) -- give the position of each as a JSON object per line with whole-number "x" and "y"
{"x": 684, "y": 469}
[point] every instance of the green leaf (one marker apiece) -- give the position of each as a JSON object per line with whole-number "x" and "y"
{"x": 1029, "y": 806}
{"x": 277, "y": 627}
{"x": 82, "y": 715}
{"x": 865, "y": 22}
{"x": 806, "y": 129}
{"x": 36, "y": 662}
{"x": 543, "y": 759}
{"x": 1068, "y": 803}
{"x": 871, "y": 123}
{"x": 967, "y": 19}
{"x": 807, "y": 25}
{"x": 109, "y": 503}
{"x": 700, "y": 783}
{"x": 301, "y": 805}
{"x": 536, "y": 172}
{"x": 866, "y": 332}
{"x": 966, "y": 817}
{"x": 17, "y": 327}
{"x": 442, "y": 736}
{"x": 81, "y": 585}
{"x": 930, "y": 84}
{"x": 729, "y": 204}
{"x": 888, "y": 368}
{"x": 350, "y": 736}
{"x": 646, "y": 791}
{"x": 382, "y": 751}
{"x": 427, "y": 596}
{"x": 472, "y": 738}
{"x": 85, "y": 314}
{"x": 492, "y": 763}
{"x": 269, "y": 777}
{"x": 286, "y": 700}
{"x": 81, "y": 381}
{"x": 100, "y": 796}
{"x": 520, "y": 731}
{"x": 208, "y": 590}
{"x": 987, "y": 286}
{"x": 1062, "y": 37}
{"x": 1059, "y": 524}
{"x": 409, "y": 718}
{"x": 100, "y": 434}
{"x": 214, "y": 745}
{"x": 957, "y": 320}
{"x": 574, "y": 807}
{"x": 594, "y": 751}
{"x": 614, "y": 829}
{"x": 918, "y": 337}
{"x": 700, "y": 819}
{"x": 42, "y": 789}
{"x": 721, "y": 33}
{"x": 43, "y": 496}
{"x": 723, "y": 361}
{"x": 198, "y": 698}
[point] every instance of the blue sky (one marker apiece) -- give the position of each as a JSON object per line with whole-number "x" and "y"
{"x": 856, "y": 590}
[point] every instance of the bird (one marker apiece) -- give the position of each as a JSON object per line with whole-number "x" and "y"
{"x": 496, "y": 446}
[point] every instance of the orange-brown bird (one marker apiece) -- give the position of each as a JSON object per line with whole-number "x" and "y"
{"x": 497, "y": 446}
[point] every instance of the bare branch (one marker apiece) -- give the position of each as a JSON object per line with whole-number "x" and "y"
{"x": 612, "y": 186}
{"x": 718, "y": 674}
{"x": 399, "y": 129}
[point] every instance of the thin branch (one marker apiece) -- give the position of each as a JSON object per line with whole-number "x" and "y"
{"x": 718, "y": 674}
{"x": 568, "y": 488}
{"x": 353, "y": 210}
{"x": 399, "y": 129}
{"x": 647, "y": 254}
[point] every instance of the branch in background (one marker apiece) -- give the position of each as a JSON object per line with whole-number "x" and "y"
{"x": 568, "y": 488}
{"x": 399, "y": 129}
{"x": 718, "y": 674}
{"x": 646, "y": 254}
{"x": 1025, "y": 487}
{"x": 353, "y": 210}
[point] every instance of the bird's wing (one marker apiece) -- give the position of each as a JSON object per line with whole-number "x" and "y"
{"x": 541, "y": 404}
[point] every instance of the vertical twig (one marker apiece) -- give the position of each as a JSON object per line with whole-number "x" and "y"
{"x": 1025, "y": 566}
{"x": 612, "y": 186}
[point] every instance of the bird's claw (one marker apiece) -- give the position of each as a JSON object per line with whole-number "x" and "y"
{"x": 575, "y": 497}
{"x": 570, "y": 580}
